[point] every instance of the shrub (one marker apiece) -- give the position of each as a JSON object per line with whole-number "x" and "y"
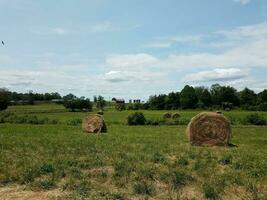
{"x": 144, "y": 187}
{"x": 120, "y": 106}
{"x": 210, "y": 192}
{"x": 3, "y": 99}
{"x": 254, "y": 119}
{"x": 263, "y": 106}
{"x": 179, "y": 179}
{"x": 78, "y": 105}
{"x": 136, "y": 118}
{"x": 159, "y": 158}
{"x": 182, "y": 161}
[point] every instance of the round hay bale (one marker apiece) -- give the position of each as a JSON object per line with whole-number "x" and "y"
{"x": 94, "y": 124}
{"x": 176, "y": 115}
{"x": 100, "y": 112}
{"x": 209, "y": 129}
{"x": 167, "y": 115}
{"x": 219, "y": 112}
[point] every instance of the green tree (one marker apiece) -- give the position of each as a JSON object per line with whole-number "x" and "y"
{"x": 262, "y": 96}
{"x": 188, "y": 97}
{"x": 100, "y": 102}
{"x": 4, "y": 95}
{"x": 172, "y": 101}
{"x": 215, "y": 90}
{"x": 247, "y": 97}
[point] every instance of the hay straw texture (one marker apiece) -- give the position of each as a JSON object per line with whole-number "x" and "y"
{"x": 94, "y": 124}
{"x": 209, "y": 129}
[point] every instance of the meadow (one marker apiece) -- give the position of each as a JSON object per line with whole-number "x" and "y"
{"x": 59, "y": 161}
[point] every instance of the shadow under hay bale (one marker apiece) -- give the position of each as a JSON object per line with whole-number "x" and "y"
{"x": 94, "y": 124}
{"x": 209, "y": 129}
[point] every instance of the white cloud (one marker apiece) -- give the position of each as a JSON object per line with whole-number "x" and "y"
{"x": 131, "y": 60}
{"x": 107, "y": 26}
{"x": 101, "y": 27}
{"x": 51, "y": 31}
{"x": 243, "y": 2}
{"x": 158, "y": 45}
{"x": 217, "y": 75}
{"x": 166, "y": 42}
{"x": 58, "y": 31}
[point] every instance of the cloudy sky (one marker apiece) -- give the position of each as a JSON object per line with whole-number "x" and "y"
{"x": 132, "y": 48}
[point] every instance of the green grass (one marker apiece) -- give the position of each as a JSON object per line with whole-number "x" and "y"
{"x": 130, "y": 161}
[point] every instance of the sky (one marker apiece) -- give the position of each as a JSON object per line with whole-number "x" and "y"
{"x": 132, "y": 48}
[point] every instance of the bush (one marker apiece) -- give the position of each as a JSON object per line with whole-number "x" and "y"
{"x": 136, "y": 118}
{"x": 120, "y": 106}
{"x": 3, "y": 99}
{"x": 263, "y": 106}
{"x": 144, "y": 187}
{"x": 210, "y": 192}
{"x": 179, "y": 179}
{"x": 78, "y": 105}
{"x": 254, "y": 119}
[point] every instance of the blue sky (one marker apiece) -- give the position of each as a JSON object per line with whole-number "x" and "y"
{"x": 132, "y": 48}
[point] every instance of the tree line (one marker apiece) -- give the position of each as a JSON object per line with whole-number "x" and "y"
{"x": 216, "y": 96}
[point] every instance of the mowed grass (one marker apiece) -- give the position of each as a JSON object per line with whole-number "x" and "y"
{"x": 130, "y": 162}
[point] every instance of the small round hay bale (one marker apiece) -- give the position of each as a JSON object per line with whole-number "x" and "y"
{"x": 100, "y": 112}
{"x": 209, "y": 129}
{"x": 219, "y": 112}
{"x": 176, "y": 115}
{"x": 94, "y": 124}
{"x": 167, "y": 115}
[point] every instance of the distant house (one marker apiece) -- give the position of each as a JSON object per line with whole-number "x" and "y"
{"x": 137, "y": 101}
{"x": 117, "y": 100}
{"x": 57, "y": 100}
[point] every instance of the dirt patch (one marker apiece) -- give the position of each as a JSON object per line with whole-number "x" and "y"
{"x": 20, "y": 193}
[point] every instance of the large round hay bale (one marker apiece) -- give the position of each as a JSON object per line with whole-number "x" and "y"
{"x": 94, "y": 124}
{"x": 209, "y": 129}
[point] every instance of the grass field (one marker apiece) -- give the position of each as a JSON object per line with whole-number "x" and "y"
{"x": 130, "y": 162}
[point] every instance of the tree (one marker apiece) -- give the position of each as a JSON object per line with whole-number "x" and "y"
{"x": 262, "y": 96}
{"x": 78, "y": 104}
{"x": 157, "y": 102}
{"x": 3, "y": 99}
{"x": 247, "y": 97}
{"x": 205, "y": 98}
{"x": 69, "y": 97}
{"x": 188, "y": 97}
{"x": 215, "y": 90}
{"x": 100, "y": 102}
{"x": 223, "y": 94}
{"x": 172, "y": 101}
{"x": 228, "y": 94}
